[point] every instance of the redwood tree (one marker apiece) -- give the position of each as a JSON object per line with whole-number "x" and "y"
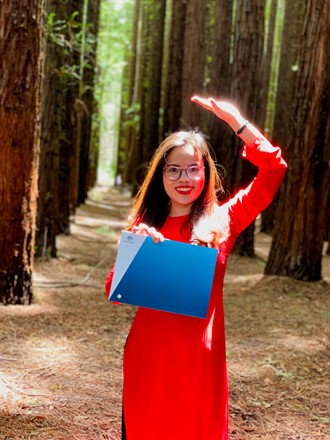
{"x": 241, "y": 68}
{"x": 194, "y": 62}
{"x": 145, "y": 95}
{"x": 173, "y": 68}
{"x": 48, "y": 212}
{"x": 133, "y": 105}
{"x": 302, "y": 213}
{"x": 21, "y": 30}
{"x": 152, "y": 75}
{"x": 88, "y": 155}
{"x": 127, "y": 125}
{"x": 287, "y": 77}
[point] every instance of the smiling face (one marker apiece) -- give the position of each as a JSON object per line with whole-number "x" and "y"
{"x": 184, "y": 191}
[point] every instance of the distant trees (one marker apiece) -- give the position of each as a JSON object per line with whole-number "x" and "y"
{"x": 226, "y": 49}
{"x": 144, "y": 86}
{"x": 210, "y": 48}
{"x": 66, "y": 169}
{"x": 49, "y": 220}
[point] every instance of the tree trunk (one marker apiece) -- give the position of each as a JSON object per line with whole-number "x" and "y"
{"x": 288, "y": 70}
{"x": 173, "y": 72}
{"x": 21, "y": 30}
{"x": 132, "y": 133}
{"x": 247, "y": 77}
{"x": 87, "y": 95}
{"x": 298, "y": 238}
{"x": 327, "y": 222}
{"x": 220, "y": 73}
{"x": 128, "y": 116}
{"x": 51, "y": 122}
{"x": 287, "y": 77}
{"x": 74, "y": 107}
{"x": 152, "y": 80}
{"x": 221, "y": 55}
{"x": 194, "y": 63}
{"x": 267, "y": 63}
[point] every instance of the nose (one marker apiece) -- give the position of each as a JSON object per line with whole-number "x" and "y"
{"x": 183, "y": 176}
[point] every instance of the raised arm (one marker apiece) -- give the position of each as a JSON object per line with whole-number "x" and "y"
{"x": 247, "y": 203}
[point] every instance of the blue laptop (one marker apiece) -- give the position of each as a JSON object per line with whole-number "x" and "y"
{"x": 170, "y": 276}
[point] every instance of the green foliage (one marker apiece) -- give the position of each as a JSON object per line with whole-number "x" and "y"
{"x": 271, "y": 104}
{"x": 132, "y": 114}
{"x": 55, "y": 29}
{"x": 70, "y": 37}
{"x": 113, "y": 45}
{"x": 113, "y": 49}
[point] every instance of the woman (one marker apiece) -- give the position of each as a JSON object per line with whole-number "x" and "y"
{"x": 175, "y": 378}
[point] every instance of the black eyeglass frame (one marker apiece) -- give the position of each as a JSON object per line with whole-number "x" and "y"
{"x": 186, "y": 170}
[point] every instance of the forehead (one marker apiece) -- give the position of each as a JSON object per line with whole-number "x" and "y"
{"x": 185, "y": 155}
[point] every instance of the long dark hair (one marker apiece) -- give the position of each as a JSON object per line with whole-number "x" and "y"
{"x": 151, "y": 202}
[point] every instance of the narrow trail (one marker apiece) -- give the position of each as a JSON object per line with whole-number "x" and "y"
{"x": 60, "y": 358}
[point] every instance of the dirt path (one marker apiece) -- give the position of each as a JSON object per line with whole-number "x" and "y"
{"x": 60, "y": 359}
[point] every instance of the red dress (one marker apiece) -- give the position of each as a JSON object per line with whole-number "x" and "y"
{"x": 175, "y": 377}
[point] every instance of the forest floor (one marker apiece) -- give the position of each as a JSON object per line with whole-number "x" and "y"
{"x": 60, "y": 358}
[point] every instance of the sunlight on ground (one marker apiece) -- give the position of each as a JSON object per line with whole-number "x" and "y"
{"x": 124, "y": 204}
{"x": 35, "y": 309}
{"x": 80, "y": 220}
{"x": 305, "y": 344}
{"x": 39, "y": 358}
{"x": 243, "y": 279}
{"x": 326, "y": 270}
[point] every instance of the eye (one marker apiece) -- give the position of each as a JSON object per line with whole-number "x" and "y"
{"x": 172, "y": 170}
{"x": 194, "y": 169}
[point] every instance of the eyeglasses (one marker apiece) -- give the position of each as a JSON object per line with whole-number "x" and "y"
{"x": 193, "y": 172}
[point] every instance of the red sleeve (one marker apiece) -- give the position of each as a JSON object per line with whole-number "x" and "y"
{"x": 247, "y": 203}
{"x": 109, "y": 281}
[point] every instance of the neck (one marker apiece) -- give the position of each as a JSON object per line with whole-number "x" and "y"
{"x": 179, "y": 210}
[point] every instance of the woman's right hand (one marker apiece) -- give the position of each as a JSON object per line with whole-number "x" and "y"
{"x": 222, "y": 109}
{"x": 144, "y": 229}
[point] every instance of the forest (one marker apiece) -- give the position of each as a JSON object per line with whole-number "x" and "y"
{"x": 270, "y": 60}
{"x": 88, "y": 90}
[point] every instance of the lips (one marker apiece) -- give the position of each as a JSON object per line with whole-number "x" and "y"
{"x": 184, "y": 190}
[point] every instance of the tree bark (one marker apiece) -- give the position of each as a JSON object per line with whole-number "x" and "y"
{"x": 268, "y": 216}
{"x": 127, "y": 119}
{"x": 136, "y": 72}
{"x": 220, "y": 73}
{"x": 87, "y": 167}
{"x": 194, "y": 62}
{"x": 152, "y": 80}
{"x": 173, "y": 72}
{"x": 21, "y": 30}
{"x": 245, "y": 91}
{"x": 73, "y": 109}
{"x": 51, "y": 125}
{"x": 287, "y": 78}
{"x": 298, "y": 238}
